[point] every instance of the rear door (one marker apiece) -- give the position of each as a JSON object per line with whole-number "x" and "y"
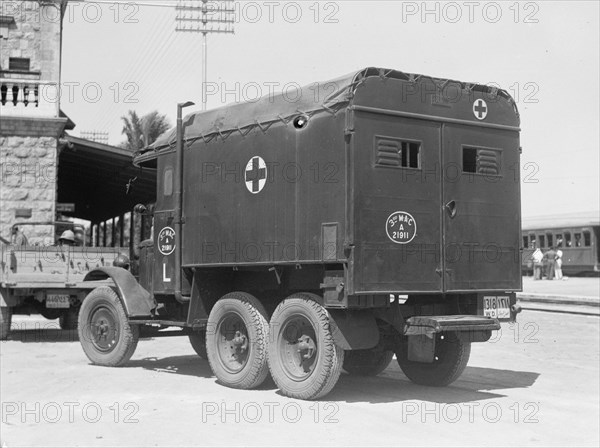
{"x": 481, "y": 218}
{"x": 397, "y": 192}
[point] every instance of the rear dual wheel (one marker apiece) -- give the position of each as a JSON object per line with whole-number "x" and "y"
{"x": 304, "y": 360}
{"x": 236, "y": 341}
{"x": 198, "y": 341}
{"x": 368, "y": 362}
{"x": 450, "y": 359}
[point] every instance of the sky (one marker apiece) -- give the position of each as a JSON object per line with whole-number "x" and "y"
{"x": 119, "y": 57}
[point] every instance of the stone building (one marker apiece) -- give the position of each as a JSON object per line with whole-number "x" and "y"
{"x": 31, "y": 122}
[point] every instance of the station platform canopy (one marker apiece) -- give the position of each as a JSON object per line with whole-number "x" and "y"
{"x": 101, "y": 180}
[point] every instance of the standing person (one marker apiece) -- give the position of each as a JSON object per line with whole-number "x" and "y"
{"x": 550, "y": 258}
{"x": 559, "y": 274}
{"x": 19, "y": 239}
{"x": 538, "y": 263}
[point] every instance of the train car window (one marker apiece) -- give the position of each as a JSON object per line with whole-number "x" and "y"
{"x": 578, "y": 240}
{"x": 481, "y": 161}
{"x": 525, "y": 241}
{"x": 542, "y": 241}
{"x": 393, "y": 152}
{"x": 168, "y": 182}
{"x": 532, "y": 239}
{"x": 549, "y": 238}
{"x": 587, "y": 239}
{"x": 567, "y": 239}
{"x": 559, "y": 240}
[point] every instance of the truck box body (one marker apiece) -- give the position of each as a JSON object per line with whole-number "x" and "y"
{"x": 409, "y": 183}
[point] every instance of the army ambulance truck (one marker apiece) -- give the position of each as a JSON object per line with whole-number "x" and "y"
{"x": 325, "y": 228}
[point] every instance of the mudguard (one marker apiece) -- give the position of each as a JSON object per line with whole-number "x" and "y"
{"x": 137, "y": 301}
{"x": 354, "y": 330}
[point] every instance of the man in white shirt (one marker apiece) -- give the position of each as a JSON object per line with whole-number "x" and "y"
{"x": 538, "y": 264}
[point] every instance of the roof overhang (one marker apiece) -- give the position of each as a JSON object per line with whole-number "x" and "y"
{"x": 101, "y": 180}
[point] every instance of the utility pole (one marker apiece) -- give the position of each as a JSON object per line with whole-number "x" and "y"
{"x": 205, "y": 17}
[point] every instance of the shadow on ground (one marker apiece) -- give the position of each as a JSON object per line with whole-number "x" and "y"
{"x": 476, "y": 383}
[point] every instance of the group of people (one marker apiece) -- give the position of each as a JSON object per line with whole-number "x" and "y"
{"x": 67, "y": 238}
{"x": 551, "y": 260}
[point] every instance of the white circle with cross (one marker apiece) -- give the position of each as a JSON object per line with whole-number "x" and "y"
{"x": 480, "y": 109}
{"x": 255, "y": 174}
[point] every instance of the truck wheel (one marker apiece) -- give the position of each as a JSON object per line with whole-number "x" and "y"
{"x": 304, "y": 361}
{"x": 450, "y": 359}
{"x": 367, "y": 362}
{"x": 236, "y": 341}
{"x": 51, "y": 313}
{"x": 68, "y": 320}
{"x": 198, "y": 341}
{"x": 106, "y": 336}
{"x": 5, "y": 321}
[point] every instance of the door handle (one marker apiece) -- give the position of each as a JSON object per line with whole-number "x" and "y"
{"x": 451, "y": 208}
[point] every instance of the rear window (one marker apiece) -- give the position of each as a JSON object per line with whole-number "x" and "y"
{"x": 481, "y": 160}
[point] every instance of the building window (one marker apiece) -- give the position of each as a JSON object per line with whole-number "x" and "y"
{"x": 481, "y": 161}
{"x": 559, "y": 240}
{"x": 568, "y": 239}
{"x": 532, "y": 239}
{"x": 396, "y": 153}
{"x": 587, "y": 238}
{"x": 18, "y": 64}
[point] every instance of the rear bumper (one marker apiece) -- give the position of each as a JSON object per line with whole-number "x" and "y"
{"x": 429, "y": 325}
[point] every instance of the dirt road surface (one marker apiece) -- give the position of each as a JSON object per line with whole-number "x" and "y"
{"x": 535, "y": 383}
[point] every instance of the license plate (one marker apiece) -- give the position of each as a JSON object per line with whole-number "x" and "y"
{"x": 58, "y": 301}
{"x": 496, "y": 307}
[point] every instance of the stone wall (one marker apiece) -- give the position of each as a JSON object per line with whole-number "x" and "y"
{"x": 28, "y": 169}
{"x": 35, "y": 34}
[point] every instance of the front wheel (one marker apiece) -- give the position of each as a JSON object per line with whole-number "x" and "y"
{"x": 304, "y": 360}
{"x": 236, "y": 341}
{"x": 105, "y": 334}
{"x": 450, "y": 359}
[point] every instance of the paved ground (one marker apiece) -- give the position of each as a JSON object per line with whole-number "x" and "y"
{"x": 569, "y": 287}
{"x": 535, "y": 384}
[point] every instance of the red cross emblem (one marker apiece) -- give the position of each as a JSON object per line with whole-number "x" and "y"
{"x": 480, "y": 109}
{"x": 256, "y": 174}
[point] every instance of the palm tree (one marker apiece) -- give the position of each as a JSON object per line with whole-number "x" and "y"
{"x": 143, "y": 131}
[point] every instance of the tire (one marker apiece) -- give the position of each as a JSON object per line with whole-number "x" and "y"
{"x": 5, "y": 321}
{"x": 304, "y": 360}
{"x": 105, "y": 334}
{"x": 450, "y": 359}
{"x": 69, "y": 319}
{"x": 369, "y": 362}
{"x": 198, "y": 341}
{"x": 51, "y": 313}
{"x": 236, "y": 341}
